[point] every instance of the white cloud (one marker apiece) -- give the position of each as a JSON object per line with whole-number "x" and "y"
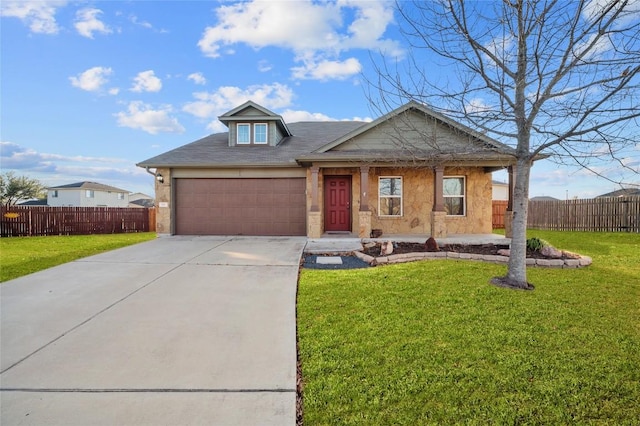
{"x": 476, "y": 105}
{"x": 327, "y": 70}
{"x": 264, "y": 66}
{"x": 209, "y": 105}
{"x": 143, "y": 117}
{"x": 323, "y": 33}
{"x": 197, "y": 78}
{"x": 146, "y": 81}
{"x": 87, "y": 23}
{"x": 38, "y": 15}
{"x": 293, "y": 116}
{"x": 93, "y": 79}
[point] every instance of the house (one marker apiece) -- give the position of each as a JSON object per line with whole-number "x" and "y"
{"x": 87, "y": 194}
{"x": 543, "y": 198}
{"x": 37, "y": 202}
{"x": 625, "y": 192}
{"x": 500, "y": 191}
{"x": 411, "y": 171}
{"x": 138, "y": 199}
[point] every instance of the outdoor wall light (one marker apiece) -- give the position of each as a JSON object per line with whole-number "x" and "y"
{"x": 159, "y": 178}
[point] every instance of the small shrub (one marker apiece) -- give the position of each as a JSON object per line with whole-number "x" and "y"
{"x": 535, "y": 244}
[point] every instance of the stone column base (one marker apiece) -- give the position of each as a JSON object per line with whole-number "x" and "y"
{"x": 364, "y": 224}
{"x": 314, "y": 225}
{"x": 508, "y": 224}
{"x": 438, "y": 224}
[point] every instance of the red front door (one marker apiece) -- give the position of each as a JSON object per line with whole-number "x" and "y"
{"x": 337, "y": 203}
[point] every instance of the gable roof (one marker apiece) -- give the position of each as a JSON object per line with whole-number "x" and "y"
{"x": 334, "y": 141}
{"x": 264, "y": 114}
{"x": 90, "y": 185}
{"x": 415, "y": 106}
{"x": 214, "y": 151}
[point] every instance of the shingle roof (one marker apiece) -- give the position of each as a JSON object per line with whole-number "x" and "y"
{"x": 214, "y": 150}
{"x": 315, "y": 141}
{"x": 89, "y": 185}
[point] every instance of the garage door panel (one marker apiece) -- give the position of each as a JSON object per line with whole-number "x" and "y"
{"x": 240, "y": 206}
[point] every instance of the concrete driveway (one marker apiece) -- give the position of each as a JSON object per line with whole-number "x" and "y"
{"x": 178, "y": 330}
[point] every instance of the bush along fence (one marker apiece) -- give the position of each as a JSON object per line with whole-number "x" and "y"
{"x": 609, "y": 214}
{"x": 18, "y": 221}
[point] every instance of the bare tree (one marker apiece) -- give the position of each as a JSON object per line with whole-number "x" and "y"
{"x": 543, "y": 76}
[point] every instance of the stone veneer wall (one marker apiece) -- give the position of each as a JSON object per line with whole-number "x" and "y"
{"x": 478, "y": 219}
{"x": 417, "y": 200}
{"x": 163, "y": 202}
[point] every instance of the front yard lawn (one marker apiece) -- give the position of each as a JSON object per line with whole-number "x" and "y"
{"x": 432, "y": 342}
{"x": 24, "y": 255}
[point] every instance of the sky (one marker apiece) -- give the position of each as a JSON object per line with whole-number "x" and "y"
{"x": 88, "y": 89}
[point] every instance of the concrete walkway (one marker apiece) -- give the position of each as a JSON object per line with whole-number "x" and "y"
{"x": 178, "y": 330}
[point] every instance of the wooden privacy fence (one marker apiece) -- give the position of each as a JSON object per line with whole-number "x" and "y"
{"x": 612, "y": 214}
{"x": 43, "y": 220}
{"x": 499, "y": 207}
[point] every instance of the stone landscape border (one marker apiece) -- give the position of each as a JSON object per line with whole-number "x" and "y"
{"x": 409, "y": 257}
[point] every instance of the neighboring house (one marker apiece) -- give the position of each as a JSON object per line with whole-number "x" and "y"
{"x": 543, "y": 198}
{"x": 625, "y": 192}
{"x": 138, "y": 199}
{"x": 87, "y": 194}
{"x": 500, "y": 191}
{"x": 412, "y": 171}
{"x": 38, "y": 202}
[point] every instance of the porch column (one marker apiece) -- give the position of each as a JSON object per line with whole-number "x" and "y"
{"x": 438, "y": 214}
{"x": 364, "y": 188}
{"x": 508, "y": 215}
{"x": 364, "y": 215}
{"x": 438, "y": 193}
{"x": 314, "y": 218}
{"x": 314, "y": 189}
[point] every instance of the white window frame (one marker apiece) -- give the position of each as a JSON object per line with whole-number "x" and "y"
{"x": 54, "y": 193}
{"x": 401, "y": 196}
{"x": 89, "y": 193}
{"x": 120, "y": 195}
{"x": 248, "y": 142}
{"x": 463, "y": 196}
{"x": 266, "y": 133}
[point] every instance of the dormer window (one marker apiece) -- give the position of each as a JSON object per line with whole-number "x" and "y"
{"x": 260, "y": 133}
{"x": 244, "y": 131}
{"x": 252, "y": 134}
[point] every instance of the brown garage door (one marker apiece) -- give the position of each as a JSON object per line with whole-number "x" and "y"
{"x": 240, "y": 206}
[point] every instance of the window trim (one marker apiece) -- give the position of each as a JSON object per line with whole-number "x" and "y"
{"x": 238, "y": 125}
{"x": 401, "y": 196}
{"x": 266, "y": 133}
{"x": 463, "y": 196}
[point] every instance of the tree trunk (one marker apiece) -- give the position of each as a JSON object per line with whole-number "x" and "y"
{"x": 517, "y": 272}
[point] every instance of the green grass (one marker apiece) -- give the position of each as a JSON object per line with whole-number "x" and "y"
{"x": 432, "y": 342}
{"x": 25, "y": 255}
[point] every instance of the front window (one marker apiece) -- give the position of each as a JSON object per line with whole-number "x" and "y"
{"x": 260, "y": 133}
{"x": 120, "y": 195}
{"x": 88, "y": 193}
{"x": 54, "y": 193}
{"x": 454, "y": 195}
{"x": 244, "y": 131}
{"x": 390, "y": 196}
